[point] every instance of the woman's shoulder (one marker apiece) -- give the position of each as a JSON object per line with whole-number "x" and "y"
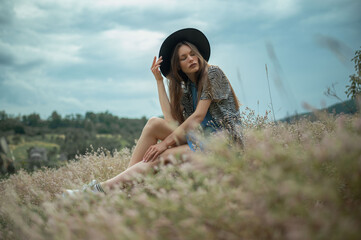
{"x": 214, "y": 72}
{"x": 213, "y": 68}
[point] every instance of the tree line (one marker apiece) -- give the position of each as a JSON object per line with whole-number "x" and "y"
{"x": 74, "y": 133}
{"x": 99, "y": 123}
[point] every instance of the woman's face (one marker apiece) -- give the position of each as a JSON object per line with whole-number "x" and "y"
{"x": 188, "y": 61}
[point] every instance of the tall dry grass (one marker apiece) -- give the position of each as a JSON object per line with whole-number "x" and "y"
{"x": 291, "y": 181}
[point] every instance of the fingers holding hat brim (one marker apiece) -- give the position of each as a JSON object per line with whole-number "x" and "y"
{"x": 191, "y": 35}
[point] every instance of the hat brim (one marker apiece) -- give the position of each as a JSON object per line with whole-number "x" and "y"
{"x": 191, "y": 35}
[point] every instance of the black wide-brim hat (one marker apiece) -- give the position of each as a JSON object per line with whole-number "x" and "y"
{"x": 191, "y": 35}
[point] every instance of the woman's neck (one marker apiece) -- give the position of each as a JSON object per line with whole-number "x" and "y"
{"x": 192, "y": 77}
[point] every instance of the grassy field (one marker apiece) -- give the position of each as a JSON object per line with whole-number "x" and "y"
{"x": 20, "y": 151}
{"x": 19, "y": 145}
{"x": 115, "y": 137}
{"x": 291, "y": 181}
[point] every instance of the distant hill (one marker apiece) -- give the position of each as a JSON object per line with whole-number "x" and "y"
{"x": 346, "y": 107}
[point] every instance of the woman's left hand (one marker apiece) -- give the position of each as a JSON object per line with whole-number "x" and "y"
{"x": 154, "y": 151}
{"x": 155, "y": 69}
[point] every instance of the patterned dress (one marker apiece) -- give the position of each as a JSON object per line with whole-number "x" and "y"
{"x": 222, "y": 109}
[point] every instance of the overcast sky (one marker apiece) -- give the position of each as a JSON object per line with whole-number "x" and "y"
{"x": 75, "y": 56}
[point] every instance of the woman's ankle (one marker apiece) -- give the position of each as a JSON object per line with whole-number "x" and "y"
{"x": 104, "y": 185}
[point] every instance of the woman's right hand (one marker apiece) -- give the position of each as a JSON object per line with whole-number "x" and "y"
{"x": 155, "y": 68}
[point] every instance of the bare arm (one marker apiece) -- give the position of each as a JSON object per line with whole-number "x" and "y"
{"x": 163, "y": 98}
{"x": 164, "y": 102}
{"x": 190, "y": 123}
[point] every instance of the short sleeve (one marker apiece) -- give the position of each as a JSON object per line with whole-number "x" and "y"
{"x": 217, "y": 87}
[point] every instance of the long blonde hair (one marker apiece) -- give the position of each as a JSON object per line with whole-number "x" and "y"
{"x": 177, "y": 78}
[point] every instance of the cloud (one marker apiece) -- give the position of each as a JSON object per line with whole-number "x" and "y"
{"x": 331, "y": 13}
{"x": 6, "y": 58}
{"x": 6, "y": 12}
{"x": 127, "y": 45}
{"x": 80, "y": 54}
{"x": 27, "y": 11}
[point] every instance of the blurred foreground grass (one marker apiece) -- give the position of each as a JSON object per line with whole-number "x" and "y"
{"x": 291, "y": 181}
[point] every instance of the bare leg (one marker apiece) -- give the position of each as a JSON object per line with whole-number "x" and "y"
{"x": 155, "y": 129}
{"x": 143, "y": 167}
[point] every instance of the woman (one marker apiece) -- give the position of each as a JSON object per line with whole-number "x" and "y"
{"x": 200, "y": 94}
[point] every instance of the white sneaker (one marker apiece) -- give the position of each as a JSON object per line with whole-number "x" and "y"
{"x": 87, "y": 187}
{"x": 69, "y": 192}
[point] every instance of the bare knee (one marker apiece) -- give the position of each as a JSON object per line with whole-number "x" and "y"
{"x": 154, "y": 123}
